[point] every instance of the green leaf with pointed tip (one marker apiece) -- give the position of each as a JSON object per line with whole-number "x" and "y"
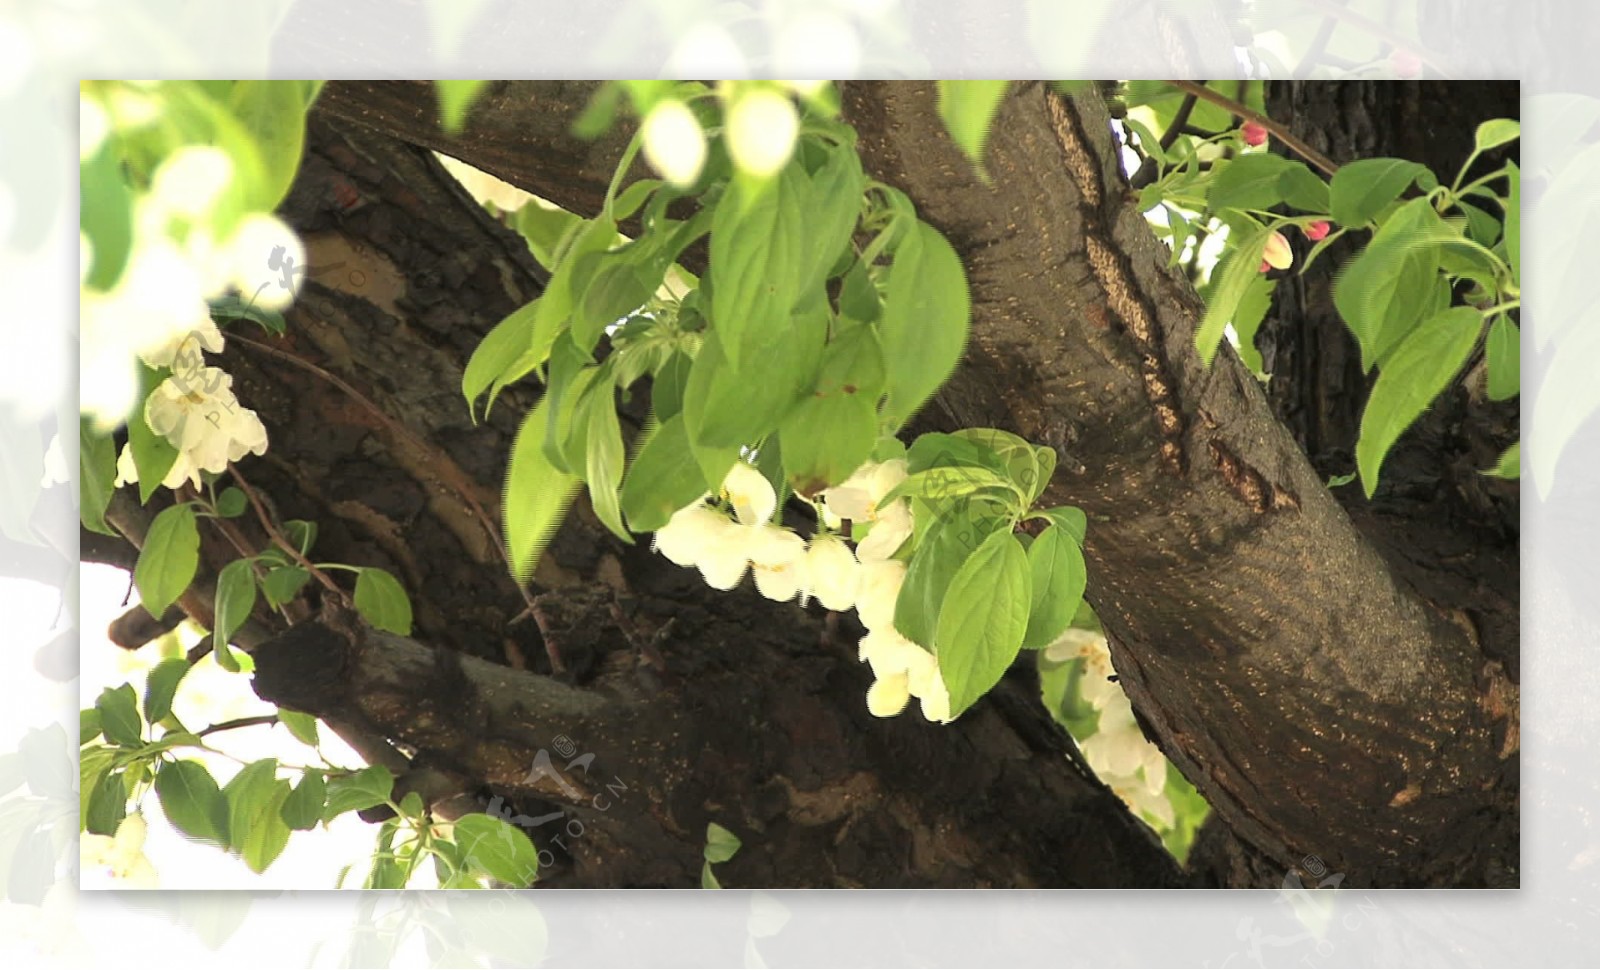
{"x": 153, "y": 454}
{"x": 255, "y": 799}
{"x": 236, "y": 597}
{"x": 382, "y": 601}
{"x": 537, "y": 495}
{"x": 1421, "y": 367}
{"x": 1509, "y": 465}
{"x": 664, "y": 477}
{"x": 967, "y": 109}
{"x": 362, "y": 790}
{"x": 192, "y": 802}
{"x": 160, "y": 687}
{"x": 1504, "y": 355}
{"x": 603, "y": 470}
{"x": 302, "y": 810}
{"x": 1361, "y": 189}
{"x": 495, "y": 355}
{"x": 274, "y": 113}
{"x": 1058, "y": 575}
{"x": 1390, "y": 288}
{"x": 1232, "y": 278}
{"x": 983, "y": 619}
{"x": 721, "y": 844}
{"x": 168, "y": 560}
{"x": 497, "y": 849}
{"x": 119, "y": 715}
{"x": 1252, "y": 181}
{"x": 302, "y": 726}
{"x": 940, "y": 554}
{"x": 1496, "y": 132}
{"x": 758, "y": 238}
{"x": 455, "y": 100}
{"x": 926, "y": 312}
{"x": 832, "y": 208}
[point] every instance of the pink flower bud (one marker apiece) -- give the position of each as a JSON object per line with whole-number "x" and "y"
{"x": 1317, "y": 231}
{"x": 1265, "y": 266}
{"x": 1253, "y": 134}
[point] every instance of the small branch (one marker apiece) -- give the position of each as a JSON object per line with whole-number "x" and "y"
{"x": 238, "y": 722}
{"x": 1179, "y": 122}
{"x": 1319, "y": 44}
{"x": 1336, "y": 10}
{"x": 278, "y": 537}
{"x": 1199, "y": 90}
{"x": 137, "y": 627}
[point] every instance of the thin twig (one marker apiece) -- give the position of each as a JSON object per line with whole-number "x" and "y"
{"x": 1318, "y": 45}
{"x": 279, "y": 538}
{"x": 447, "y": 469}
{"x": 1393, "y": 39}
{"x": 1199, "y": 90}
{"x": 1179, "y": 121}
{"x": 238, "y": 722}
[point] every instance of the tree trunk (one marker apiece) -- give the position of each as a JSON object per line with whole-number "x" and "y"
{"x": 1325, "y": 697}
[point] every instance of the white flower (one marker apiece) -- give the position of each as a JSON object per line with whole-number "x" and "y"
{"x": 691, "y": 530}
{"x": 833, "y": 574}
{"x": 888, "y": 696}
{"x": 761, "y": 129}
{"x": 1118, "y": 748}
{"x": 198, "y": 413}
{"x": 184, "y": 345}
{"x": 266, "y": 261}
{"x": 778, "y": 558}
{"x": 190, "y": 180}
{"x": 936, "y": 699}
{"x": 877, "y": 591}
{"x": 857, "y": 499}
{"x": 890, "y": 653}
{"x": 673, "y": 142}
{"x": 1152, "y": 806}
{"x": 750, "y": 494}
{"x": 117, "y": 861}
{"x": 723, "y": 549}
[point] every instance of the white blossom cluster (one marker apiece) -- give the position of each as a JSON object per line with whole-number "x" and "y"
{"x": 117, "y": 861}
{"x": 1131, "y": 766}
{"x": 724, "y": 548}
{"x": 158, "y": 310}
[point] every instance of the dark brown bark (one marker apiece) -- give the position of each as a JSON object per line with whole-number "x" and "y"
{"x": 1322, "y": 703}
{"x": 697, "y": 706}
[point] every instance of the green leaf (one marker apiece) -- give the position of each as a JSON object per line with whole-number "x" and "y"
{"x": 967, "y": 109}
{"x": 926, "y": 312}
{"x": 603, "y": 469}
{"x": 1232, "y": 278}
{"x": 758, "y": 238}
{"x": 544, "y": 227}
{"x": 721, "y": 844}
{"x": 940, "y": 554}
{"x": 1496, "y": 132}
{"x": 105, "y": 215}
{"x": 362, "y": 790}
{"x": 667, "y": 387}
{"x": 302, "y": 810}
{"x": 282, "y": 583}
{"x": 497, "y": 849}
{"x": 664, "y": 478}
{"x": 108, "y": 804}
{"x": 1029, "y": 468}
{"x": 274, "y": 113}
{"x": 536, "y": 495}
{"x": 833, "y": 206}
{"x": 382, "y": 601}
{"x": 160, "y": 687}
{"x": 724, "y": 407}
{"x": 983, "y": 619}
{"x": 500, "y": 348}
{"x": 153, "y": 454}
{"x": 1338, "y": 480}
{"x": 947, "y": 482}
{"x": 607, "y": 286}
{"x": 1504, "y": 353}
{"x": 708, "y": 879}
{"x": 1509, "y": 465}
{"x": 231, "y": 503}
{"x": 1069, "y": 519}
{"x": 1361, "y": 189}
{"x": 97, "y": 474}
{"x": 255, "y": 822}
{"x": 1253, "y": 307}
{"x": 826, "y": 438}
{"x": 236, "y": 597}
{"x": 229, "y": 307}
{"x": 88, "y": 725}
{"x": 455, "y": 99}
{"x": 302, "y": 534}
{"x": 1390, "y": 288}
{"x": 302, "y": 726}
{"x": 1058, "y": 575}
{"x": 1421, "y": 367}
{"x": 192, "y": 802}
{"x": 119, "y": 715}
{"x": 1513, "y": 229}
{"x": 1302, "y": 188}
{"x": 1250, "y": 181}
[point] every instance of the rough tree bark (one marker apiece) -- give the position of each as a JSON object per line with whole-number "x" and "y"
{"x": 1323, "y": 699}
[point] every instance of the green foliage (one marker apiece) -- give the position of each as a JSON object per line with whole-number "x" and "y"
{"x": 382, "y": 601}
{"x": 983, "y": 619}
{"x": 97, "y": 473}
{"x": 455, "y": 100}
{"x": 497, "y": 849}
{"x": 192, "y": 802}
{"x": 236, "y": 597}
{"x": 721, "y": 845}
{"x": 169, "y": 558}
{"x": 967, "y": 109}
